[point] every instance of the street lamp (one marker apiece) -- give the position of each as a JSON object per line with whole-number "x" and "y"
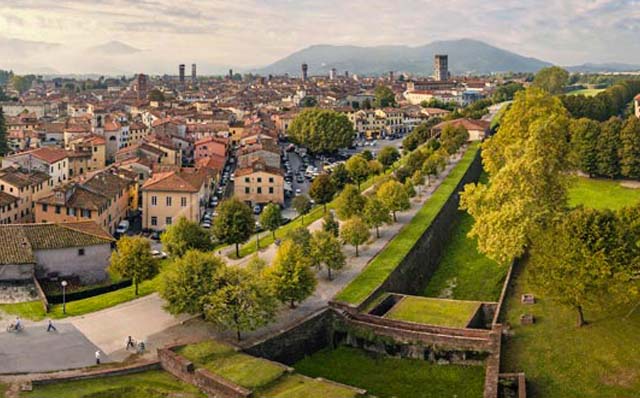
{"x": 64, "y": 297}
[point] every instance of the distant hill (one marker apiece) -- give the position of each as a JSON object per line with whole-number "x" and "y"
{"x": 607, "y": 67}
{"x": 466, "y": 56}
{"x": 114, "y": 48}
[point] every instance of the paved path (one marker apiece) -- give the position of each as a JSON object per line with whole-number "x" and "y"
{"x": 36, "y": 350}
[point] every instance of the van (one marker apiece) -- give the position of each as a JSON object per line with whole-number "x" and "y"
{"x": 123, "y": 227}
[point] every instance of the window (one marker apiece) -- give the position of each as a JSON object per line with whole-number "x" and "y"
{"x": 259, "y": 190}
{"x": 271, "y": 179}
{"x": 45, "y": 208}
{"x": 168, "y": 201}
{"x": 81, "y": 252}
{"x": 57, "y": 209}
{"x": 247, "y": 190}
{"x": 154, "y": 220}
{"x": 259, "y": 179}
{"x": 270, "y": 189}
{"x": 167, "y": 221}
{"x": 247, "y": 179}
{"x": 183, "y": 201}
{"x": 154, "y": 201}
{"x": 85, "y": 213}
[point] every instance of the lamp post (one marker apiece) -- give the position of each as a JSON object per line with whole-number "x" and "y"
{"x": 64, "y": 297}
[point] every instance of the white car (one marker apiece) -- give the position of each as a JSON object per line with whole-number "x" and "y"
{"x": 123, "y": 227}
{"x": 298, "y": 192}
{"x": 206, "y": 225}
{"x": 158, "y": 254}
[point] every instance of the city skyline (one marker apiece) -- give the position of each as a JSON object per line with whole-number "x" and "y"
{"x": 158, "y": 34}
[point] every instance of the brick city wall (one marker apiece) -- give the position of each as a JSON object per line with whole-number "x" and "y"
{"x": 206, "y": 381}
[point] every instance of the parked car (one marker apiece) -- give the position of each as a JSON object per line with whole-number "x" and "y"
{"x": 158, "y": 254}
{"x": 155, "y": 235}
{"x": 298, "y": 192}
{"x": 123, "y": 227}
{"x": 257, "y": 209}
{"x": 206, "y": 225}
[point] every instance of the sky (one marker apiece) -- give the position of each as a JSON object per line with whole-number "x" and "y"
{"x": 62, "y": 35}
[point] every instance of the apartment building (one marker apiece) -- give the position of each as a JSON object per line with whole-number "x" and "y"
{"x": 53, "y": 161}
{"x": 259, "y": 183}
{"x": 26, "y": 187}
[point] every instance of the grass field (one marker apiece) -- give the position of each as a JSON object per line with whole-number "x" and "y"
{"x": 151, "y": 384}
{"x": 298, "y": 386}
{"x": 464, "y": 273}
{"x": 429, "y": 311}
{"x": 391, "y": 256}
{"x": 601, "y": 194}
{"x": 387, "y": 377}
{"x": 221, "y": 359}
{"x": 599, "y": 360}
{"x": 589, "y": 92}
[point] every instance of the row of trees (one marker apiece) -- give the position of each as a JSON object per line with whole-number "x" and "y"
{"x": 609, "y": 149}
{"x": 580, "y": 257}
{"x": 606, "y": 104}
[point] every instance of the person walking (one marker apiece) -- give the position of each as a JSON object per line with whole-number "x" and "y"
{"x": 50, "y": 327}
{"x": 98, "y": 357}
{"x": 130, "y": 343}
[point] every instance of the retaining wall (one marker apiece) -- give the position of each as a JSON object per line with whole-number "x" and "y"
{"x": 98, "y": 373}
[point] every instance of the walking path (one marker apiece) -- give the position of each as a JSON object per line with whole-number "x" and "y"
{"x": 145, "y": 318}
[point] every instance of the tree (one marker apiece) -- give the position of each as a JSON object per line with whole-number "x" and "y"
{"x": 367, "y": 155}
{"x": 608, "y": 148}
{"x": 552, "y": 79}
{"x": 133, "y": 259}
{"x": 156, "y": 95}
{"x": 321, "y": 130}
{"x": 301, "y": 237}
{"x": 234, "y": 224}
{"x": 22, "y": 83}
{"x": 354, "y": 232}
{"x": 375, "y": 167}
{"x": 388, "y": 155}
{"x": 331, "y": 225}
{"x": 505, "y": 92}
{"x": 408, "y": 186}
{"x": 189, "y": 280}
{"x": 326, "y": 250}
{"x": 271, "y": 218}
{"x": 453, "y": 137}
{"x": 527, "y": 163}
{"x": 241, "y": 303}
{"x": 376, "y": 214}
{"x": 290, "y": 277}
{"x": 322, "y": 190}
{"x": 349, "y": 203}
{"x": 358, "y": 169}
{"x": 394, "y": 196}
{"x": 302, "y": 204}
{"x": 185, "y": 235}
{"x": 340, "y": 176}
{"x": 630, "y": 148}
{"x": 417, "y": 179}
{"x": 384, "y": 97}
{"x": 584, "y": 139}
{"x": 4, "y": 148}
{"x": 585, "y": 259}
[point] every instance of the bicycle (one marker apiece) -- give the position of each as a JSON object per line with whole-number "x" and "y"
{"x": 14, "y": 328}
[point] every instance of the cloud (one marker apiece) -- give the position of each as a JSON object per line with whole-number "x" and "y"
{"x": 256, "y": 32}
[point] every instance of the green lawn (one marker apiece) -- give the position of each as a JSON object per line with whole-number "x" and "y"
{"x": 391, "y": 256}
{"x": 221, "y": 359}
{"x": 387, "y": 377}
{"x": 429, "y": 311}
{"x": 151, "y": 384}
{"x": 464, "y": 273}
{"x": 589, "y": 92}
{"x": 297, "y": 386}
{"x": 601, "y": 194}
{"x": 600, "y": 360}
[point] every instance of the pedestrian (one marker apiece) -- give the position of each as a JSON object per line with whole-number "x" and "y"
{"x": 18, "y": 324}
{"x": 51, "y": 327}
{"x": 98, "y": 357}
{"x": 130, "y": 343}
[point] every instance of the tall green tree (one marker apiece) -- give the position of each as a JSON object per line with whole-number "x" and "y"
{"x": 322, "y": 190}
{"x": 585, "y": 259}
{"x": 584, "y": 139}
{"x": 302, "y": 204}
{"x": 376, "y": 214}
{"x": 388, "y": 155}
{"x": 340, "y": 176}
{"x": 394, "y": 196}
{"x": 132, "y": 259}
{"x": 552, "y": 79}
{"x": 271, "y": 218}
{"x": 234, "y": 224}
{"x": 349, "y": 203}
{"x": 527, "y": 163}
{"x": 355, "y": 232}
{"x": 608, "y": 143}
{"x": 301, "y": 237}
{"x": 358, "y": 169}
{"x": 242, "y": 303}
{"x": 321, "y": 130}
{"x": 384, "y": 97}
{"x": 327, "y": 251}
{"x": 331, "y": 225}
{"x": 185, "y": 235}
{"x": 189, "y": 280}
{"x": 630, "y": 148}
{"x": 290, "y": 278}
